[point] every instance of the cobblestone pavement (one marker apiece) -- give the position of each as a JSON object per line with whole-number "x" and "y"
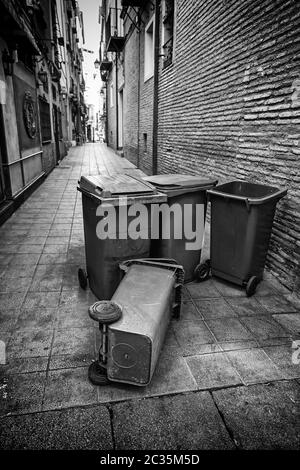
{"x": 225, "y": 378}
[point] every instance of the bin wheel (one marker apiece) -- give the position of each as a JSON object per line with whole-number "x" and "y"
{"x": 251, "y": 286}
{"x": 202, "y": 271}
{"x": 82, "y": 278}
{"x": 105, "y": 312}
{"x": 97, "y": 374}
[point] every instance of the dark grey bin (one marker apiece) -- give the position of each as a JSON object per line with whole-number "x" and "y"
{"x": 242, "y": 217}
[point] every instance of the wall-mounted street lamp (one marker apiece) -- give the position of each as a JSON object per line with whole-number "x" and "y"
{"x": 8, "y": 62}
{"x": 97, "y": 64}
{"x": 43, "y": 77}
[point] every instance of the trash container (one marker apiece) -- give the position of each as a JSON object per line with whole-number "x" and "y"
{"x": 241, "y": 222}
{"x": 106, "y": 202}
{"x": 186, "y": 192}
{"x": 134, "y": 323}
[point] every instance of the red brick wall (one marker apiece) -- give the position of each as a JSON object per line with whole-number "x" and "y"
{"x": 229, "y": 105}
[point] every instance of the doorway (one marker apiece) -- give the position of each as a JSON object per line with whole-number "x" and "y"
{"x": 56, "y": 132}
{"x": 120, "y": 119}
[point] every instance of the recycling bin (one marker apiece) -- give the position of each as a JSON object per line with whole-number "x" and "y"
{"x": 134, "y": 323}
{"x": 188, "y": 201}
{"x": 107, "y": 219}
{"x": 241, "y": 223}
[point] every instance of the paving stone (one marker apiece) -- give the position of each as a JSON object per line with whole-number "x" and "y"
{"x": 254, "y": 366}
{"x": 264, "y": 288}
{"x": 21, "y": 393}
{"x": 190, "y": 334}
{"x": 17, "y": 284}
{"x": 25, "y": 270}
{"x": 237, "y": 345}
{"x": 188, "y": 311}
{"x": 20, "y": 259}
{"x": 29, "y": 248}
{"x": 55, "y": 249}
{"x": 68, "y": 387}
{"x": 11, "y": 301}
{"x": 229, "y": 329}
{"x": 213, "y": 371}
{"x": 47, "y": 278}
{"x": 62, "y": 240}
{"x": 172, "y": 375}
{"x": 291, "y": 322}
{"x": 228, "y": 289}
{"x": 53, "y": 258}
{"x": 185, "y": 422}
{"x": 69, "y": 361}
{"x": 42, "y": 318}
{"x": 286, "y": 358}
{"x": 199, "y": 290}
{"x": 277, "y": 304}
{"x": 41, "y": 300}
{"x": 23, "y": 365}
{"x": 264, "y": 327}
{"x": 74, "y": 429}
{"x": 262, "y": 416}
{"x": 214, "y": 308}
{"x": 30, "y": 343}
{"x": 5, "y": 259}
{"x": 244, "y": 306}
{"x": 74, "y": 341}
{"x": 8, "y": 319}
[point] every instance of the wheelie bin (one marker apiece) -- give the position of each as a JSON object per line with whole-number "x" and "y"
{"x": 106, "y": 202}
{"x": 241, "y": 223}
{"x": 133, "y": 324}
{"x": 187, "y": 192}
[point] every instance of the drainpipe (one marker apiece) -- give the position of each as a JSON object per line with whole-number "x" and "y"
{"x": 117, "y": 85}
{"x": 139, "y": 96}
{"x": 155, "y": 87}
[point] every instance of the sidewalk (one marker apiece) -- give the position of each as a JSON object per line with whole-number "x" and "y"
{"x": 225, "y": 378}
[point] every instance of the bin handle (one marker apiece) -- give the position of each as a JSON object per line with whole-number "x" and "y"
{"x": 249, "y": 201}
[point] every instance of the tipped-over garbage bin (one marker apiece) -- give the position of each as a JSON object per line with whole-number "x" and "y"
{"x": 241, "y": 223}
{"x": 109, "y": 205}
{"x": 181, "y": 228}
{"x": 134, "y": 323}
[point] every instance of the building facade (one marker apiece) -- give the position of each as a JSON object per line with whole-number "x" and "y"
{"x": 41, "y": 92}
{"x": 211, "y": 88}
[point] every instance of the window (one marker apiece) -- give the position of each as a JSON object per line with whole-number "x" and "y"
{"x": 45, "y": 120}
{"x": 111, "y": 95}
{"x": 168, "y": 32}
{"x": 149, "y": 50}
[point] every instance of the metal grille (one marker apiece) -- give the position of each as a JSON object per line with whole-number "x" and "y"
{"x": 45, "y": 120}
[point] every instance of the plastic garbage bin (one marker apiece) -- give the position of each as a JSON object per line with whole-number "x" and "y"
{"x": 134, "y": 323}
{"x": 105, "y": 199}
{"x": 241, "y": 222}
{"x": 187, "y": 192}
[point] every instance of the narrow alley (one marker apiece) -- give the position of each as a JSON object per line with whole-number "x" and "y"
{"x": 225, "y": 378}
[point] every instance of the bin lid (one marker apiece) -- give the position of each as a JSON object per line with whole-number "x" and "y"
{"x": 116, "y": 185}
{"x": 175, "y": 182}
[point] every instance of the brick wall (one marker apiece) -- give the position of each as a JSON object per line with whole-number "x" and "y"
{"x": 138, "y": 99}
{"x": 230, "y": 105}
{"x": 111, "y": 111}
{"x": 131, "y": 97}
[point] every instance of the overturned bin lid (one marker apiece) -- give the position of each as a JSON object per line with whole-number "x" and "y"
{"x": 180, "y": 183}
{"x": 112, "y": 188}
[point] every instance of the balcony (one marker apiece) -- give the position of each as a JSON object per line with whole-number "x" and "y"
{"x": 133, "y": 3}
{"x": 115, "y": 39}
